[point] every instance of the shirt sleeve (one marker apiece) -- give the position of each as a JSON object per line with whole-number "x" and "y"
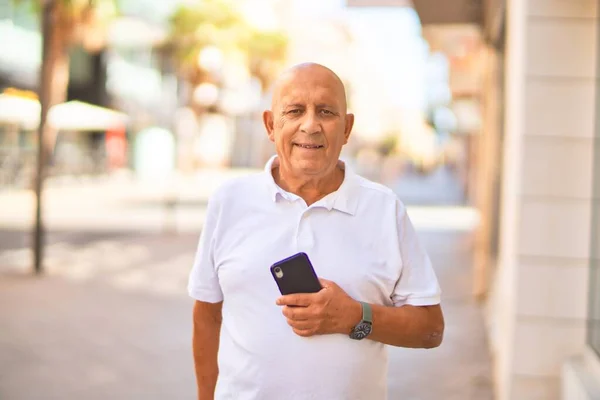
{"x": 418, "y": 284}
{"x": 203, "y": 284}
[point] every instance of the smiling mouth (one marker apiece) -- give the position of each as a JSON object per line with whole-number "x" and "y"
{"x": 309, "y": 146}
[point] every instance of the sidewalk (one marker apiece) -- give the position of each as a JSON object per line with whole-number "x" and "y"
{"x": 112, "y": 321}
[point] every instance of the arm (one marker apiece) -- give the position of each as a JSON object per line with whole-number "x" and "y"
{"x": 205, "y": 344}
{"x": 332, "y": 311}
{"x": 406, "y": 326}
{"x": 204, "y": 287}
{"x": 415, "y": 320}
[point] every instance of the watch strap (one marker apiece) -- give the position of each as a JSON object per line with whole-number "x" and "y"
{"x": 367, "y": 312}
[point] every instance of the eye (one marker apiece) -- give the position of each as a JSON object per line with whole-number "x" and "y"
{"x": 326, "y": 112}
{"x": 294, "y": 111}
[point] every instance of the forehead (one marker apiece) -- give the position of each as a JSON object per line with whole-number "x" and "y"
{"x": 310, "y": 95}
{"x": 315, "y": 87}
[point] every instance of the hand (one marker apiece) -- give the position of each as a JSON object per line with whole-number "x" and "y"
{"x": 330, "y": 310}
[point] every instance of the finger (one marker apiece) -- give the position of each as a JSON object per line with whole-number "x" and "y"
{"x": 301, "y": 325}
{"x": 304, "y": 332}
{"x": 295, "y": 313}
{"x": 302, "y": 300}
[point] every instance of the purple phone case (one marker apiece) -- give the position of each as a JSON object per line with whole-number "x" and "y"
{"x": 298, "y": 275}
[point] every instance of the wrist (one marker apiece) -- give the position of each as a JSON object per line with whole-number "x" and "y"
{"x": 355, "y": 315}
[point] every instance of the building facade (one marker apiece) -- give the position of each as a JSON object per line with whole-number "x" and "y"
{"x": 543, "y": 306}
{"x": 537, "y": 251}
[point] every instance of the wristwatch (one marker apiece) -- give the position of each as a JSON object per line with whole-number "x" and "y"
{"x": 363, "y": 328}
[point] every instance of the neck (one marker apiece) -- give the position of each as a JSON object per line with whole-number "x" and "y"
{"x": 310, "y": 189}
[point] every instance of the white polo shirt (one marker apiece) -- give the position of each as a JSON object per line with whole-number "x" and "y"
{"x": 359, "y": 237}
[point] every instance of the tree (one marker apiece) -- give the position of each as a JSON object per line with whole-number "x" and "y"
{"x": 219, "y": 24}
{"x": 64, "y": 23}
{"x": 266, "y": 51}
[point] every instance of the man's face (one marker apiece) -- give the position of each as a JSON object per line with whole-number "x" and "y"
{"x": 308, "y": 122}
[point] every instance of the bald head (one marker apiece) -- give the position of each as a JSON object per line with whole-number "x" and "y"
{"x": 309, "y": 123}
{"x": 311, "y": 74}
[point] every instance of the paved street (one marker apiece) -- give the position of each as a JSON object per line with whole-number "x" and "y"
{"x": 111, "y": 319}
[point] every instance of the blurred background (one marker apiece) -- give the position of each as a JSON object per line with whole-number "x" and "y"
{"x": 119, "y": 118}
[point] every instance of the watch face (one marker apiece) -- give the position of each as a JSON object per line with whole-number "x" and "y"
{"x": 361, "y": 331}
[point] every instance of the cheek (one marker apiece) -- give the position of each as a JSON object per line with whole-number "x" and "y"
{"x": 337, "y": 139}
{"x": 283, "y": 133}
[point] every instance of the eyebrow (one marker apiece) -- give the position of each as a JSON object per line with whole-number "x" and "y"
{"x": 326, "y": 105}
{"x": 293, "y": 105}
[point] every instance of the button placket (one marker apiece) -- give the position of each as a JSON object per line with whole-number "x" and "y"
{"x": 304, "y": 235}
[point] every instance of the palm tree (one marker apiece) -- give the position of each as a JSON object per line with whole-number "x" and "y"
{"x": 266, "y": 51}
{"x": 217, "y": 23}
{"x": 64, "y": 23}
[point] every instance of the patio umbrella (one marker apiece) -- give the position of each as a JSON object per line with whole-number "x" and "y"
{"x": 80, "y": 116}
{"x": 72, "y": 115}
{"x": 17, "y": 110}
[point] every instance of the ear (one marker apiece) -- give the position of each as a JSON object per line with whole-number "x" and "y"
{"x": 268, "y": 121}
{"x": 348, "y": 128}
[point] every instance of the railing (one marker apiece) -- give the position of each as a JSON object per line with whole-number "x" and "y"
{"x": 17, "y": 166}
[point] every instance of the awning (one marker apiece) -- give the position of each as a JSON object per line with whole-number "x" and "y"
{"x": 72, "y": 115}
{"x": 379, "y": 3}
{"x": 21, "y": 111}
{"x": 449, "y": 11}
{"x": 489, "y": 15}
{"x": 80, "y": 116}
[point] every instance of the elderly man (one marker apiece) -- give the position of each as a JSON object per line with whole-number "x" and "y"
{"x": 379, "y": 288}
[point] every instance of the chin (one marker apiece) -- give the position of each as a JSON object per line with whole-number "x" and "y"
{"x": 309, "y": 167}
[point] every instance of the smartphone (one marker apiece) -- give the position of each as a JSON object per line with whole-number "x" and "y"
{"x": 295, "y": 274}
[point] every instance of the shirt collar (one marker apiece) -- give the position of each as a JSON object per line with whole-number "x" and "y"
{"x": 345, "y": 199}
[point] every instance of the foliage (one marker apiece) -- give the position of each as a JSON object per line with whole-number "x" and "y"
{"x": 76, "y": 10}
{"x": 219, "y": 23}
{"x": 265, "y": 44}
{"x": 209, "y": 22}
{"x": 79, "y": 21}
{"x": 389, "y": 144}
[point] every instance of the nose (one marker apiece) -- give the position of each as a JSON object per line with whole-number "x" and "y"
{"x": 310, "y": 123}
